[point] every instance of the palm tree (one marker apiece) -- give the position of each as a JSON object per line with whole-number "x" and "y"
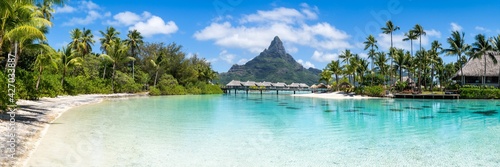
{"x": 482, "y": 48}
{"x": 68, "y": 59}
{"x": 390, "y": 28}
{"x": 76, "y": 36}
{"x": 434, "y": 58}
{"x": 158, "y": 61}
{"x": 116, "y": 53}
{"x": 380, "y": 62}
{"x": 325, "y": 75}
{"x": 20, "y": 20}
{"x": 362, "y": 68}
{"x": 401, "y": 59}
{"x": 457, "y": 47}
{"x": 86, "y": 41}
{"x": 49, "y": 58}
{"x": 46, "y": 8}
{"x": 335, "y": 68}
{"x": 419, "y": 31}
{"x": 410, "y": 35}
{"x": 133, "y": 41}
{"x": 107, "y": 37}
{"x": 371, "y": 42}
{"x": 346, "y": 56}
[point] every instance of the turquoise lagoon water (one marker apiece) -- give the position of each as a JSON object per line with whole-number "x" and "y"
{"x": 274, "y": 130}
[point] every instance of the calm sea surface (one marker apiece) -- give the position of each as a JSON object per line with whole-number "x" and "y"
{"x": 274, "y": 130}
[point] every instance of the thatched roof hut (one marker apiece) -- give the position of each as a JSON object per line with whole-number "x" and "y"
{"x": 265, "y": 84}
{"x": 322, "y": 86}
{"x": 475, "y": 67}
{"x": 294, "y": 85}
{"x": 279, "y": 84}
{"x": 248, "y": 83}
{"x": 234, "y": 83}
{"x": 303, "y": 85}
{"x": 314, "y": 86}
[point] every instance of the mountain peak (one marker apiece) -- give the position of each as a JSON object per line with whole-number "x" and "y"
{"x": 277, "y": 46}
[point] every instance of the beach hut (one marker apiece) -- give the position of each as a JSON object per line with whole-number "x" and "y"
{"x": 265, "y": 84}
{"x": 279, "y": 85}
{"x": 294, "y": 86}
{"x": 247, "y": 84}
{"x": 303, "y": 85}
{"x": 473, "y": 71}
{"x": 234, "y": 84}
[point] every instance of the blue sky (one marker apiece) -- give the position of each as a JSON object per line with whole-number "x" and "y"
{"x": 228, "y": 32}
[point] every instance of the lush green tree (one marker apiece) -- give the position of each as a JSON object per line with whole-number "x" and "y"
{"x": 68, "y": 59}
{"x": 108, "y": 36}
{"x": 346, "y": 56}
{"x": 434, "y": 58}
{"x": 380, "y": 62}
{"x": 134, "y": 39}
{"x": 335, "y": 68}
{"x": 371, "y": 43}
{"x": 117, "y": 54}
{"x": 325, "y": 75}
{"x": 457, "y": 47}
{"x": 400, "y": 60}
{"x": 482, "y": 49}
{"x": 410, "y": 36}
{"x": 390, "y": 28}
{"x": 49, "y": 58}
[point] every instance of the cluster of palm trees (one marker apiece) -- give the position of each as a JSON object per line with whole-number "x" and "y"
{"x": 425, "y": 66}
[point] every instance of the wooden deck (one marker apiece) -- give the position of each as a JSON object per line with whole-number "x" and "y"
{"x": 235, "y": 90}
{"x": 427, "y": 96}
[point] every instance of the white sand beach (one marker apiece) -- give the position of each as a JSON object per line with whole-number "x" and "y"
{"x": 333, "y": 95}
{"x": 33, "y": 119}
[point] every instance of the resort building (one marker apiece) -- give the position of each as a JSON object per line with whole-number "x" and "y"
{"x": 473, "y": 72}
{"x": 265, "y": 84}
{"x": 234, "y": 84}
{"x": 279, "y": 85}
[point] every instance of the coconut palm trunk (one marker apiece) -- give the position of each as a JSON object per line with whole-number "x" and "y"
{"x": 39, "y": 77}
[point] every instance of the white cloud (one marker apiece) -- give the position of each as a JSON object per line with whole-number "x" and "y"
{"x": 89, "y": 5}
{"x": 324, "y": 57}
{"x": 64, "y": 9}
{"x": 305, "y": 64}
{"x": 455, "y": 27}
{"x": 242, "y": 61}
{"x": 479, "y": 28}
{"x": 433, "y": 33}
{"x": 92, "y": 13}
{"x": 363, "y": 55}
{"x": 155, "y": 25}
{"x": 254, "y": 32}
{"x": 146, "y": 23}
{"x": 90, "y": 18}
{"x": 226, "y": 56}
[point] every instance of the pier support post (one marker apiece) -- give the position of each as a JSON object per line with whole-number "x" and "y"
{"x": 247, "y": 91}
{"x": 277, "y": 91}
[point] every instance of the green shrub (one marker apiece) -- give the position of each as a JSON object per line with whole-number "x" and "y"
{"x": 25, "y": 85}
{"x": 479, "y": 93}
{"x": 211, "y": 89}
{"x": 175, "y": 90}
{"x": 154, "y": 91}
{"x": 50, "y": 85}
{"x": 375, "y": 91}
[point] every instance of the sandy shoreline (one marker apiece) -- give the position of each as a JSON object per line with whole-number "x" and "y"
{"x": 334, "y": 95}
{"x": 33, "y": 119}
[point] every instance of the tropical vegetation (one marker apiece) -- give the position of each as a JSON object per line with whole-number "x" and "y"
{"x": 121, "y": 65}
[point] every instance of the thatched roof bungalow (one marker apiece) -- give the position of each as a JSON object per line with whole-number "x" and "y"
{"x": 234, "y": 84}
{"x": 280, "y": 85}
{"x": 294, "y": 85}
{"x": 303, "y": 85}
{"x": 473, "y": 71}
{"x": 264, "y": 84}
{"x": 249, "y": 83}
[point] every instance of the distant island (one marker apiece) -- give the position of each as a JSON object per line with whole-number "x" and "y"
{"x": 272, "y": 65}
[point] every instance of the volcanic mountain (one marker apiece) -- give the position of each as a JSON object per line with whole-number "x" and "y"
{"x": 272, "y": 65}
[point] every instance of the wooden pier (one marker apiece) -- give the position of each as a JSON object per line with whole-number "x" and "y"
{"x": 261, "y": 91}
{"x": 427, "y": 96}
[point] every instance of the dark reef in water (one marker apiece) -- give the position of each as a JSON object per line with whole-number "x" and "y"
{"x": 292, "y": 108}
{"x": 367, "y": 114}
{"x": 486, "y": 113}
{"x": 427, "y": 117}
{"x": 395, "y": 109}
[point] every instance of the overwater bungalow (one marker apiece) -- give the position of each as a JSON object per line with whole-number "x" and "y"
{"x": 265, "y": 84}
{"x": 247, "y": 84}
{"x": 234, "y": 84}
{"x": 279, "y": 85}
{"x": 473, "y": 71}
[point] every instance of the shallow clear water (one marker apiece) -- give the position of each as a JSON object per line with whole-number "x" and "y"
{"x": 274, "y": 130}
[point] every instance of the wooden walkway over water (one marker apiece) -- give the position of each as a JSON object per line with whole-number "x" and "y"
{"x": 427, "y": 96}
{"x": 246, "y": 90}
